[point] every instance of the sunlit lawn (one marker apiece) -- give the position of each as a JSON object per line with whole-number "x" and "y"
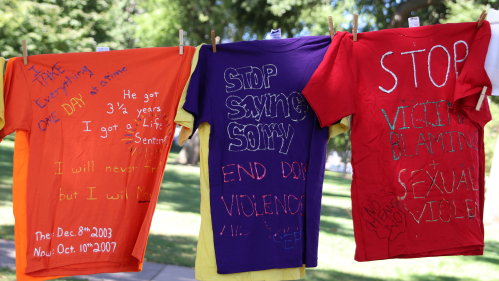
{"x": 175, "y": 227}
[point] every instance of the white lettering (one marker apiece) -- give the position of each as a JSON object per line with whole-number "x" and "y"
{"x": 448, "y": 65}
{"x": 394, "y": 76}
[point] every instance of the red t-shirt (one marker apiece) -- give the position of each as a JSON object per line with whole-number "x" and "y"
{"x": 417, "y": 140}
{"x": 100, "y": 126}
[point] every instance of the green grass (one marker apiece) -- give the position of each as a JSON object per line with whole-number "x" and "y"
{"x": 175, "y": 227}
{"x": 7, "y": 274}
{"x": 7, "y": 231}
{"x": 171, "y": 155}
{"x": 6, "y": 166}
{"x": 172, "y": 249}
{"x": 175, "y": 242}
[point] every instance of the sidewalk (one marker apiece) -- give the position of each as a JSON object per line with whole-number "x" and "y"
{"x": 150, "y": 271}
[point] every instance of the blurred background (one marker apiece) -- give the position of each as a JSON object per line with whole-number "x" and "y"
{"x": 60, "y": 26}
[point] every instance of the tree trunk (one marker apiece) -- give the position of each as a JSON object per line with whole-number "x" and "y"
{"x": 403, "y": 11}
{"x": 491, "y": 212}
{"x": 345, "y": 168}
{"x": 189, "y": 155}
{"x": 345, "y": 159}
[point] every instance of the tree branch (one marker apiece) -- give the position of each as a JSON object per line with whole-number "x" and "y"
{"x": 403, "y": 10}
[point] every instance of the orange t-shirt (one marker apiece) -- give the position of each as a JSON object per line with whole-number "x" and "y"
{"x": 19, "y": 187}
{"x": 100, "y": 127}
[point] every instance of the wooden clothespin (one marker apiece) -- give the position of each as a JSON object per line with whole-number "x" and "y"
{"x": 480, "y": 100}
{"x": 355, "y": 24}
{"x": 482, "y": 17}
{"x": 25, "y": 53}
{"x": 213, "y": 42}
{"x": 331, "y": 27}
{"x": 181, "y": 41}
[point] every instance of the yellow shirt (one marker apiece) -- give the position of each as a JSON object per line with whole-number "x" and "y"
{"x": 206, "y": 267}
{"x": 2, "y": 109}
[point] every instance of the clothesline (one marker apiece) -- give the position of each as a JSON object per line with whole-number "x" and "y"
{"x": 181, "y": 34}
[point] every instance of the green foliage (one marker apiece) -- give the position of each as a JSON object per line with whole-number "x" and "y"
{"x": 315, "y": 19}
{"x": 57, "y": 26}
{"x": 233, "y": 20}
{"x": 257, "y": 17}
{"x": 342, "y": 145}
{"x": 160, "y": 20}
{"x": 118, "y": 25}
{"x": 157, "y": 23}
{"x": 431, "y": 14}
{"x": 463, "y": 11}
{"x": 377, "y": 14}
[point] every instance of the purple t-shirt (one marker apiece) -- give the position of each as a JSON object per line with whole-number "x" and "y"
{"x": 267, "y": 151}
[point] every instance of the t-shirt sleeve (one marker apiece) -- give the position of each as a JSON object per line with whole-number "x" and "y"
{"x": 197, "y": 100}
{"x": 473, "y": 77}
{"x": 339, "y": 127}
{"x": 184, "y": 118}
{"x": 2, "y": 108}
{"x": 17, "y": 100}
{"x": 332, "y": 84}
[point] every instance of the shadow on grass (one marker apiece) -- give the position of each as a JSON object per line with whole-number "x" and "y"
{"x": 336, "y": 179}
{"x": 7, "y": 231}
{"x": 180, "y": 192}
{"x": 336, "y": 212}
{"x": 490, "y": 253}
{"x": 176, "y": 250}
{"x": 172, "y": 155}
{"x": 335, "y": 228}
{"x": 332, "y": 227}
{"x": 6, "y": 166}
{"x": 431, "y": 277}
{"x": 327, "y": 275}
{"x": 492, "y": 247}
{"x": 325, "y": 193}
{"x": 5, "y": 194}
{"x": 7, "y": 274}
{"x": 174, "y": 176}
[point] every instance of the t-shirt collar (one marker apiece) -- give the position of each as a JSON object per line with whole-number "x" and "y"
{"x": 421, "y": 31}
{"x": 281, "y": 45}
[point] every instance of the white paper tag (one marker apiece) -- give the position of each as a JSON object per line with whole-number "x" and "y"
{"x": 102, "y": 49}
{"x": 275, "y": 34}
{"x": 414, "y": 22}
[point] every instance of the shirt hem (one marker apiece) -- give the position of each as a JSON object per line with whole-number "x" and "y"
{"x": 457, "y": 251}
{"x": 260, "y": 268}
{"x": 33, "y": 267}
